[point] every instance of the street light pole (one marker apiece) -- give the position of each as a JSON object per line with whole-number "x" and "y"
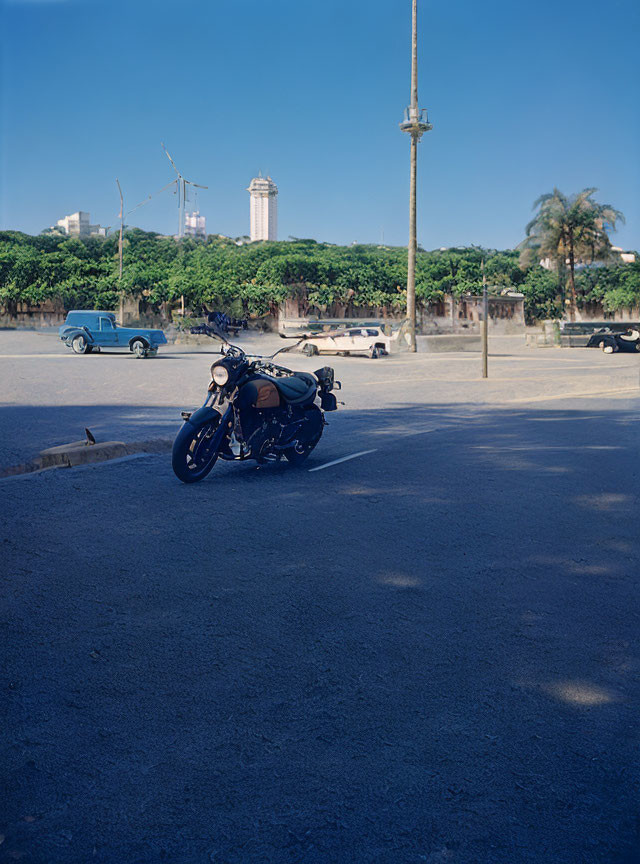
{"x": 415, "y": 123}
{"x": 485, "y": 326}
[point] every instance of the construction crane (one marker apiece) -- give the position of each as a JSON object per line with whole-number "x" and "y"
{"x": 181, "y": 191}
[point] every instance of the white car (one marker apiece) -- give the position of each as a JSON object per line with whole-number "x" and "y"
{"x": 372, "y": 341}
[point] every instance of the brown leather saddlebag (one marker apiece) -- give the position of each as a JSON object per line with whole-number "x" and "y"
{"x": 267, "y": 395}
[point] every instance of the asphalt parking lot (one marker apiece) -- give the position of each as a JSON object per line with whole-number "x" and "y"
{"x": 49, "y": 395}
{"x": 426, "y": 653}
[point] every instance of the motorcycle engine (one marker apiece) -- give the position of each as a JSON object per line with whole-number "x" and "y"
{"x": 259, "y": 430}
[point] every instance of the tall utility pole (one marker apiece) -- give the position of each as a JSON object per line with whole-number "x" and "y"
{"x": 121, "y": 215}
{"x": 416, "y": 124}
{"x": 485, "y": 325}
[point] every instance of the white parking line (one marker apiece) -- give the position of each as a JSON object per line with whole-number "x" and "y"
{"x": 344, "y": 459}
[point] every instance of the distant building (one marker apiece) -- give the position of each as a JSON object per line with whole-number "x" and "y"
{"x": 195, "y": 225}
{"x": 79, "y": 225}
{"x": 264, "y": 208}
{"x": 625, "y": 257}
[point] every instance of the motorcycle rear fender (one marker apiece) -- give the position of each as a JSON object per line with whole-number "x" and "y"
{"x": 328, "y": 401}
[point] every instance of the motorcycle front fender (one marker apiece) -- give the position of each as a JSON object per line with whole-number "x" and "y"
{"x": 206, "y": 415}
{"x": 203, "y": 415}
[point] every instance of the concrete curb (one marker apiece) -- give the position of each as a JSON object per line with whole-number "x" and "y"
{"x": 80, "y": 453}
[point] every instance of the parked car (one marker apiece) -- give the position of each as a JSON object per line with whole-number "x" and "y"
{"x": 85, "y": 331}
{"x": 610, "y": 341}
{"x": 372, "y": 341}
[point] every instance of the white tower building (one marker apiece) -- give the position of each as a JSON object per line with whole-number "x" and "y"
{"x": 264, "y": 208}
{"x": 195, "y": 225}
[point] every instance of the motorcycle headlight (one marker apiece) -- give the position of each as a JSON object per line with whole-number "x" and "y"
{"x": 220, "y": 375}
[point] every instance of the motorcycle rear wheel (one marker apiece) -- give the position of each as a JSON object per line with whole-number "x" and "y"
{"x": 298, "y": 454}
{"x": 190, "y": 459}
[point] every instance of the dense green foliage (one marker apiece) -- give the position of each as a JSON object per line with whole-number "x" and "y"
{"x": 567, "y": 230}
{"x": 254, "y": 278}
{"x": 614, "y": 287}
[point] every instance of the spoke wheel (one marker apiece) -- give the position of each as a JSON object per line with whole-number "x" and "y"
{"x": 139, "y": 349}
{"x": 79, "y": 345}
{"x": 192, "y": 457}
{"x": 299, "y": 452}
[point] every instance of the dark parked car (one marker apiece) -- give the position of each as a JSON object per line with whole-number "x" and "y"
{"x": 610, "y": 341}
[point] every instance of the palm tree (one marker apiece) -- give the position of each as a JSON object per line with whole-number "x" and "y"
{"x": 567, "y": 229}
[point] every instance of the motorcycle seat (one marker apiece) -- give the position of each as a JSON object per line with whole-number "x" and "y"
{"x": 298, "y": 388}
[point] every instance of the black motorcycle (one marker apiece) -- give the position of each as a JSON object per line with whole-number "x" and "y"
{"x": 255, "y": 409}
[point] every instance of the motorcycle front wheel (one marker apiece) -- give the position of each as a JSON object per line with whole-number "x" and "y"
{"x": 191, "y": 457}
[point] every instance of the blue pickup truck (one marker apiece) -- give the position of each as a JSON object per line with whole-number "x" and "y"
{"x": 85, "y": 331}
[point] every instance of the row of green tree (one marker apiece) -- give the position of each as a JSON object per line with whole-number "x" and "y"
{"x": 253, "y": 278}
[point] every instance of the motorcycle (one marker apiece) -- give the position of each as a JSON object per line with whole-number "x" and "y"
{"x": 219, "y": 322}
{"x": 255, "y": 409}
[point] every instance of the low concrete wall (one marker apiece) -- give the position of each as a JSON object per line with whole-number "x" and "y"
{"x": 439, "y": 344}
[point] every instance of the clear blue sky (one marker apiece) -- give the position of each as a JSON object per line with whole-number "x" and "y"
{"x": 523, "y": 96}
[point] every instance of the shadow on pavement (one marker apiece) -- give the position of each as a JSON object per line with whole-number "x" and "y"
{"x": 426, "y": 654}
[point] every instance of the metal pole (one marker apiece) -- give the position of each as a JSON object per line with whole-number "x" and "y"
{"x": 414, "y": 55}
{"x": 182, "y": 212}
{"x": 413, "y": 243}
{"x": 485, "y": 326}
{"x": 179, "y": 189}
{"x": 415, "y": 124}
{"x": 121, "y": 227}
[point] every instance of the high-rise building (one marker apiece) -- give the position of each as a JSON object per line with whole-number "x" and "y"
{"x": 195, "y": 225}
{"x": 78, "y": 225}
{"x": 264, "y": 208}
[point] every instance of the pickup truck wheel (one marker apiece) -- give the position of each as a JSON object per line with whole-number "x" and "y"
{"x": 79, "y": 344}
{"x": 374, "y": 352}
{"x": 139, "y": 349}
